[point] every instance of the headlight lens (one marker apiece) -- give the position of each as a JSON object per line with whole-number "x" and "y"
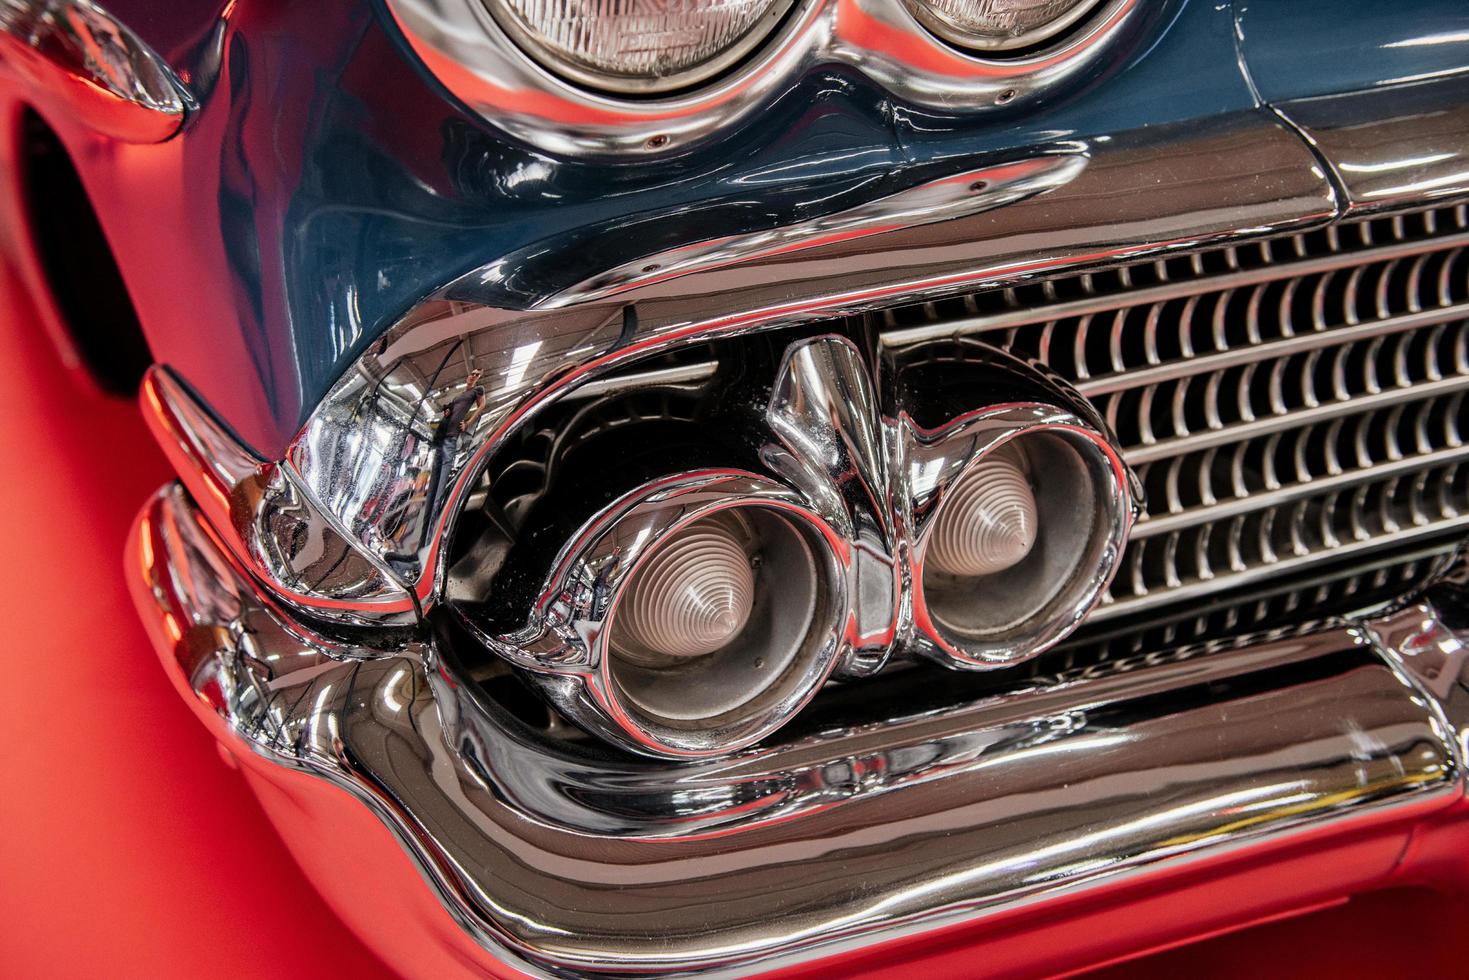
{"x": 638, "y": 46}
{"x": 721, "y": 623}
{"x": 999, "y": 25}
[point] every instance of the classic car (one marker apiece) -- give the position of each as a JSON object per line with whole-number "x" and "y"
{"x": 808, "y": 487}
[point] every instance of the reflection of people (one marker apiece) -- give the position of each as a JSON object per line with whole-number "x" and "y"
{"x": 458, "y": 416}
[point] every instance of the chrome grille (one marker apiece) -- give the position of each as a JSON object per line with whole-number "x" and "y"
{"x": 1286, "y": 403}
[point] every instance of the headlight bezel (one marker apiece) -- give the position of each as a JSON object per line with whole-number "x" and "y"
{"x": 765, "y": 28}
{"x": 1000, "y": 47}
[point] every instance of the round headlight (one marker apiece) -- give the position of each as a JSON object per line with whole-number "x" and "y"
{"x": 1021, "y": 546}
{"x": 999, "y": 25}
{"x": 638, "y": 46}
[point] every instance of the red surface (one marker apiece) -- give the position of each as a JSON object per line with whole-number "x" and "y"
{"x": 129, "y": 849}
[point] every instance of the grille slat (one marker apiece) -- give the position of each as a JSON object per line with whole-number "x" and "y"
{"x": 1286, "y": 404}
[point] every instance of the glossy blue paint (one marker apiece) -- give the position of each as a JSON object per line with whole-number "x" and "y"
{"x": 342, "y": 184}
{"x": 1303, "y": 48}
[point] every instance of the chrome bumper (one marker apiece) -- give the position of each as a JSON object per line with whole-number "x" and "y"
{"x": 568, "y": 860}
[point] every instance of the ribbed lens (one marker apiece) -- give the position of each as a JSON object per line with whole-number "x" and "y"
{"x": 716, "y": 627}
{"x": 647, "y": 45}
{"x": 693, "y": 596}
{"x": 988, "y": 522}
{"x": 998, "y": 25}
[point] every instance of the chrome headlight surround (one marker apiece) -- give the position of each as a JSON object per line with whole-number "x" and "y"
{"x": 998, "y": 42}
{"x": 555, "y": 59}
{"x": 1051, "y": 591}
{"x": 491, "y": 71}
{"x": 568, "y": 646}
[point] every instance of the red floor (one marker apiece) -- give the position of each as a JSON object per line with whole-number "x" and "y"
{"x": 128, "y": 849}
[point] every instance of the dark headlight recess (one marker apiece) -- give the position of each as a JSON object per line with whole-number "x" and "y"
{"x": 999, "y": 26}
{"x": 632, "y": 47}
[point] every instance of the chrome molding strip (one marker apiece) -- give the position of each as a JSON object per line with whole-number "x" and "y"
{"x": 1394, "y": 146}
{"x": 534, "y": 357}
{"x": 82, "y": 63}
{"x": 462, "y": 44}
{"x": 555, "y": 861}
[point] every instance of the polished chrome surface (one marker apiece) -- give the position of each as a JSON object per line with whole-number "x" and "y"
{"x": 961, "y": 195}
{"x": 1391, "y": 147}
{"x": 366, "y": 454}
{"x": 706, "y": 705}
{"x": 557, "y": 860}
{"x": 1086, "y": 500}
{"x": 1429, "y": 636}
{"x": 1285, "y": 404}
{"x": 77, "y": 59}
{"x": 464, "y": 46}
{"x": 270, "y": 525}
{"x": 647, "y": 61}
{"x": 866, "y": 480}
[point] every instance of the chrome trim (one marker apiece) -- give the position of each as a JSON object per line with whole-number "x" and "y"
{"x": 1270, "y": 425}
{"x": 1111, "y": 608}
{"x": 272, "y": 527}
{"x": 1287, "y": 403}
{"x": 998, "y": 43}
{"x": 565, "y": 643}
{"x": 355, "y": 453}
{"x": 81, "y": 62}
{"x": 1429, "y": 637}
{"x": 361, "y": 456}
{"x": 961, "y": 195}
{"x": 1290, "y": 268}
{"x": 554, "y": 860}
{"x": 1391, "y": 147}
{"x": 462, "y": 44}
{"x": 866, "y": 479}
{"x": 511, "y": 22}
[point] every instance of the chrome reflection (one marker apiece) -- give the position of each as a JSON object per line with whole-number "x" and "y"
{"x": 964, "y": 194}
{"x": 77, "y": 57}
{"x": 367, "y": 451}
{"x": 868, "y": 831}
{"x": 365, "y": 459}
{"x": 866, "y": 482}
{"x": 271, "y": 526}
{"x": 1429, "y": 636}
{"x": 699, "y": 705}
{"x": 465, "y": 48}
{"x": 1391, "y": 146}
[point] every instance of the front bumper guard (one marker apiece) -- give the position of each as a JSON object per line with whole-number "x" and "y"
{"x": 558, "y": 860}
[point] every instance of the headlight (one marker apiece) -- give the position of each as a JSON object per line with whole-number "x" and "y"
{"x": 999, "y": 25}
{"x": 638, "y": 46}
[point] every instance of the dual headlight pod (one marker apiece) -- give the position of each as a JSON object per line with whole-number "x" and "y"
{"x": 699, "y": 610}
{"x": 652, "y": 47}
